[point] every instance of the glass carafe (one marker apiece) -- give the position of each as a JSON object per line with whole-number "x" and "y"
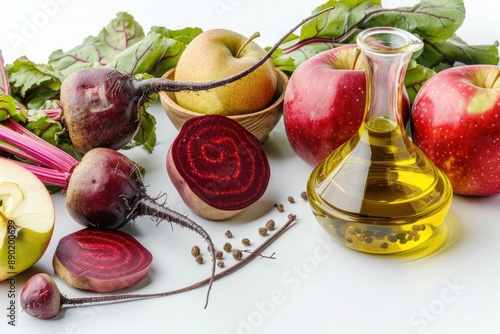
{"x": 378, "y": 193}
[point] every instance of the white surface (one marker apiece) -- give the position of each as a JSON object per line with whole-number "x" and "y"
{"x": 313, "y": 285}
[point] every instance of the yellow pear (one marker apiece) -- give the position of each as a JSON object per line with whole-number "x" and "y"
{"x": 219, "y": 53}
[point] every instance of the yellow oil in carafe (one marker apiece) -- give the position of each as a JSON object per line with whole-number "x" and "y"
{"x": 378, "y": 193}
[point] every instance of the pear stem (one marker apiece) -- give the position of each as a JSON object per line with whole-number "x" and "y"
{"x": 249, "y": 39}
{"x": 358, "y": 53}
{"x": 496, "y": 79}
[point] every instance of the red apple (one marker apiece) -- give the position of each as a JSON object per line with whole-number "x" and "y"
{"x": 456, "y": 122}
{"x": 325, "y": 102}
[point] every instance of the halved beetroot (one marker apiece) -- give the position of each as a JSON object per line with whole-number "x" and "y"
{"x": 101, "y": 260}
{"x": 218, "y": 167}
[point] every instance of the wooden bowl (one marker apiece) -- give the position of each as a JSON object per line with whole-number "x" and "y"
{"x": 260, "y": 123}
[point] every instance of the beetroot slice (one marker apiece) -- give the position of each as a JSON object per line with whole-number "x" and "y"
{"x": 101, "y": 260}
{"x": 223, "y": 163}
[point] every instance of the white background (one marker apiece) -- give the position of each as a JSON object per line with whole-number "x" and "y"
{"x": 313, "y": 285}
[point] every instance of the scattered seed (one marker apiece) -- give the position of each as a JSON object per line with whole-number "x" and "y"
{"x": 220, "y": 264}
{"x": 270, "y": 225}
{"x": 392, "y": 238}
{"x": 228, "y": 234}
{"x": 227, "y": 247}
{"x": 413, "y": 233}
{"x": 199, "y": 259}
{"x": 219, "y": 255}
{"x": 349, "y": 240}
{"x": 237, "y": 254}
{"x": 379, "y": 235}
{"x": 385, "y": 245}
{"x": 416, "y": 228}
{"x": 195, "y": 251}
{"x": 279, "y": 207}
{"x": 303, "y": 195}
{"x": 245, "y": 242}
{"x": 369, "y": 240}
{"x": 263, "y": 231}
{"x": 401, "y": 236}
{"x": 290, "y": 215}
{"x": 291, "y": 199}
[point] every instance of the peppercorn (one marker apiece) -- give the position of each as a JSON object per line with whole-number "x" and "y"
{"x": 229, "y": 234}
{"x": 220, "y": 264}
{"x": 291, "y": 199}
{"x": 199, "y": 259}
{"x": 219, "y": 255}
{"x": 227, "y": 247}
{"x": 195, "y": 251}
{"x": 270, "y": 225}
{"x": 279, "y": 207}
{"x": 303, "y": 195}
{"x": 245, "y": 242}
{"x": 237, "y": 254}
{"x": 263, "y": 231}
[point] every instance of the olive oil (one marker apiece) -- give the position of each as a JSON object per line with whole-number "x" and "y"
{"x": 378, "y": 192}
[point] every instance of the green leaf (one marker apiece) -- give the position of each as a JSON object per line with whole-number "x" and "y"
{"x": 416, "y": 75}
{"x": 50, "y": 130}
{"x": 458, "y": 50}
{"x": 158, "y": 52}
{"x": 146, "y": 136}
{"x": 8, "y": 109}
{"x": 288, "y": 62}
{"x": 32, "y": 84}
{"x": 122, "y": 32}
{"x": 432, "y": 20}
{"x": 184, "y": 36}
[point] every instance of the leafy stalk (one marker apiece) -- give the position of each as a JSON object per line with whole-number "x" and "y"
{"x": 49, "y": 163}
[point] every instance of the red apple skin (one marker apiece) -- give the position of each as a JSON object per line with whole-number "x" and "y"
{"x": 325, "y": 101}
{"x": 456, "y": 123}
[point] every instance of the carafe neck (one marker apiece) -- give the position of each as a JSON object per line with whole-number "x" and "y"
{"x": 387, "y": 52}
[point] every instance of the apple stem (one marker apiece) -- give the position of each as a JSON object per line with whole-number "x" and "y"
{"x": 87, "y": 301}
{"x": 358, "y": 53}
{"x": 249, "y": 39}
{"x": 496, "y": 79}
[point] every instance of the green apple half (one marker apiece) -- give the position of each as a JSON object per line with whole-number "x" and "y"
{"x": 27, "y": 218}
{"x": 219, "y": 53}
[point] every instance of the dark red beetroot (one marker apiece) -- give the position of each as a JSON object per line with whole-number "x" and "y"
{"x": 40, "y": 297}
{"x": 100, "y": 260}
{"x": 218, "y": 167}
{"x": 102, "y": 106}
